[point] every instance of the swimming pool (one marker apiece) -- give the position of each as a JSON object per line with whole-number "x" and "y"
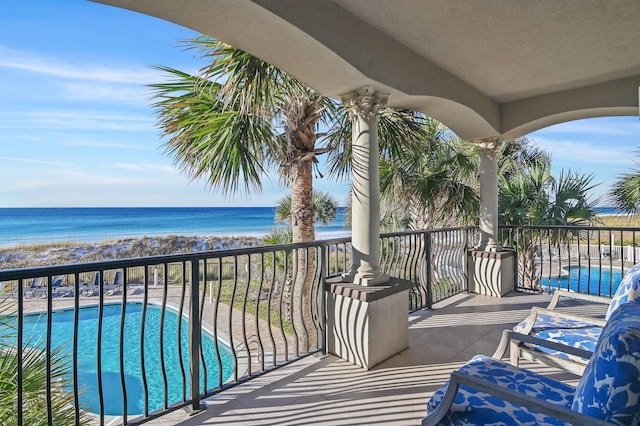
{"x": 35, "y": 327}
{"x": 595, "y": 280}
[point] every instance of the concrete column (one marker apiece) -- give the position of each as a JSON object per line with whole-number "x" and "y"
{"x": 363, "y": 106}
{"x": 488, "y": 194}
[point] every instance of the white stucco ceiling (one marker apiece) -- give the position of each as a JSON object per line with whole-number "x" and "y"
{"x": 483, "y": 67}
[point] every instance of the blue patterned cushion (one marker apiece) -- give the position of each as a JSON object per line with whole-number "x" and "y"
{"x": 610, "y": 386}
{"x": 628, "y": 290}
{"x": 570, "y": 332}
{"x": 472, "y": 407}
{"x": 545, "y": 322}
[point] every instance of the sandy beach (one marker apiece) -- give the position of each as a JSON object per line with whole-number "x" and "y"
{"x": 27, "y": 256}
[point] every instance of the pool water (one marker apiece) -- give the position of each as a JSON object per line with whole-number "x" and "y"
{"x": 599, "y": 281}
{"x": 62, "y": 334}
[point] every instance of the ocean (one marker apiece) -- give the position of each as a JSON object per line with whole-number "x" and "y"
{"x": 44, "y": 225}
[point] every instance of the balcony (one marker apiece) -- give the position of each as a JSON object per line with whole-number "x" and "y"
{"x": 327, "y": 390}
{"x": 239, "y": 314}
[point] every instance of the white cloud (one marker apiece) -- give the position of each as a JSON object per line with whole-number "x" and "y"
{"x": 141, "y": 167}
{"x": 581, "y": 153}
{"x": 108, "y": 144}
{"x": 107, "y": 92}
{"x": 34, "y": 161}
{"x": 53, "y": 66}
{"x": 77, "y": 119}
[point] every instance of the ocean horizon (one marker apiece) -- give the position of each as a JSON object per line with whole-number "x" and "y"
{"x": 35, "y": 225}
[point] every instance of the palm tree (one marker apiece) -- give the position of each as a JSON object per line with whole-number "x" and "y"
{"x": 34, "y": 380}
{"x": 434, "y": 186}
{"x": 520, "y": 154}
{"x": 532, "y": 196}
{"x": 240, "y": 118}
{"x": 624, "y": 194}
{"x": 325, "y": 208}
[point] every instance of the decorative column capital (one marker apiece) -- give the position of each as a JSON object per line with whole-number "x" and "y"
{"x": 364, "y": 103}
{"x": 488, "y": 145}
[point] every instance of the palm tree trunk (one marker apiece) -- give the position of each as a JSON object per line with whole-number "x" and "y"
{"x": 302, "y": 226}
{"x": 530, "y": 275}
{"x": 302, "y": 202}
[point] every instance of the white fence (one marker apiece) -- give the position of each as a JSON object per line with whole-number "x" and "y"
{"x": 590, "y": 251}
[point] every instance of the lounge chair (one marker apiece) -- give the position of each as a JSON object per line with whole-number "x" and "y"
{"x": 116, "y": 286}
{"x": 92, "y": 290}
{"x": 489, "y": 391}
{"x": 32, "y": 290}
{"x": 566, "y": 329}
{"x": 56, "y": 288}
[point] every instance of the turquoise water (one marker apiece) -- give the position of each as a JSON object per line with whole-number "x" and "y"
{"x": 42, "y": 225}
{"x": 598, "y": 281}
{"x": 62, "y": 334}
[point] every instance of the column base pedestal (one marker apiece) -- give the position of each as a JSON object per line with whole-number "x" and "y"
{"x": 491, "y": 273}
{"x": 367, "y": 325}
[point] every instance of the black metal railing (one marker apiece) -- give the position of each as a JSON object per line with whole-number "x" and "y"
{"x": 433, "y": 261}
{"x": 575, "y": 258}
{"x": 150, "y": 335}
{"x": 169, "y": 330}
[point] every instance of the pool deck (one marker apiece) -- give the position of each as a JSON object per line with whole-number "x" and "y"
{"x": 329, "y": 391}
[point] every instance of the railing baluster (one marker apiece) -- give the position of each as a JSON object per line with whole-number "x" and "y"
{"x": 99, "y": 344}
{"x": 230, "y": 317}
{"x": 244, "y": 317}
{"x": 560, "y": 257}
{"x": 257, "y": 313}
{"x": 163, "y": 309}
{"x": 306, "y": 281}
{"x": 48, "y": 347}
{"x": 281, "y": 310}
{"x": 194, "y": 336}
{"x": 74, "y": 347}
{"x": 123, "y": 313}
{"x": 321, "y": 299}
{"x": 202, "y": 298}
{"x": 143, "y": 365}
{"x": 291, "y": 302}
{"x": 215, "y": 325}
{"x": 428, "y": 274}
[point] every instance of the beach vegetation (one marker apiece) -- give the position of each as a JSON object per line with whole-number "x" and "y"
{"x": 29, "y": 256}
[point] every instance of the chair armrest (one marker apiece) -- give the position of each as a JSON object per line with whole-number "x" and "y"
{"x": 535, "y": 311}
{"x": 512, "y": 336}
{"x": 597, "y": 322}
{"x": 581, "y": 296}
{"x": 495, "y": 389}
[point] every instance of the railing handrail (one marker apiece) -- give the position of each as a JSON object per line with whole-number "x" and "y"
{"x": 570, "y": 227}
{"x": 29, "y": 272}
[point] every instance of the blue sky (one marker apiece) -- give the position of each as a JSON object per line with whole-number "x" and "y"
{"x": 76, "y": 128}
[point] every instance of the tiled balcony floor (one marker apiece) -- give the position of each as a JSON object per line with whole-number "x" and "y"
{"x": 329, "y": 391}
